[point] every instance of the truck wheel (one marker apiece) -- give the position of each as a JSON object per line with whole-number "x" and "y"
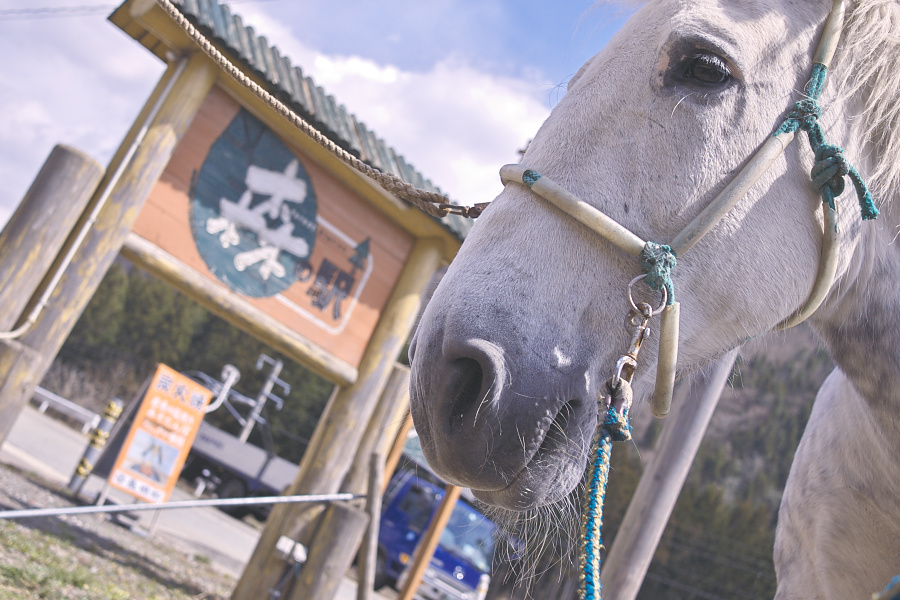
{"x": 233, "y": 488}
{"x": 381, "y": 577}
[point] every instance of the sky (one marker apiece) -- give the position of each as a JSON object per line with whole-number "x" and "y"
{"x": 455, "y": 86}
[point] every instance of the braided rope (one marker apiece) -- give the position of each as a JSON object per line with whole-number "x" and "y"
{"x": 433, "y": 203}
{"x": 614, "y": 428}
{"x": 831, "y": 166}
{"x": 657, "y": 261}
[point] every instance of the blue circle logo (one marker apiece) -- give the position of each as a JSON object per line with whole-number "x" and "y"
{"x": 253, "y": 210}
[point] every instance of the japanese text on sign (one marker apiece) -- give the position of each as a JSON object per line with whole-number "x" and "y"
{"x": 161, "y": 436}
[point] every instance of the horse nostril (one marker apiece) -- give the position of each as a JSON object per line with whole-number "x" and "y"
{"x": 468, "y": 390}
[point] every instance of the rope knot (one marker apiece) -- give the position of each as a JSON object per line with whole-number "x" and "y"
{"x": 806, "y": 113}
{"x": 831, "y": 166}
{"x": 828, "y": 172}
{"x": 657, "y": 261}
{"x": 616, "y": 423}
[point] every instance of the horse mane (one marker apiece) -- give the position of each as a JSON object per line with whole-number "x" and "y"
{"x": 868, "y": 63}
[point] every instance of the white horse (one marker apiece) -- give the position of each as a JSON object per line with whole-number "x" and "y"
{"x": 526, "y": 326}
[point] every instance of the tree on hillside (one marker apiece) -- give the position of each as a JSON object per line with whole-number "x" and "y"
{"x": 135, "y": 321}
{"x": 102, "y": 318}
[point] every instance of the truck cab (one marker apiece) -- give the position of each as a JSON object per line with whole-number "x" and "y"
{"x": 460, "y": 568}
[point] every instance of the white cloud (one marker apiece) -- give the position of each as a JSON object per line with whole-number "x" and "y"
{"x": 79, "y": 82}
{"x": 455, "y": 123}
{"x": 82, "y": 82}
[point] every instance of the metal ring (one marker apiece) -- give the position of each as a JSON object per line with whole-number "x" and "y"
{"x": 617, "y": 376}
{"x": 634, "y": 306}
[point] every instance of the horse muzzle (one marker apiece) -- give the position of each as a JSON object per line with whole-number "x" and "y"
{"x": 517, "y": 439}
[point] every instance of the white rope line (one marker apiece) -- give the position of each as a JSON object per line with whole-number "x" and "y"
{"x": 433, "y": 203}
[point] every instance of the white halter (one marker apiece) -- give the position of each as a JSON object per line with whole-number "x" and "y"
{"x": 626, "y": 240}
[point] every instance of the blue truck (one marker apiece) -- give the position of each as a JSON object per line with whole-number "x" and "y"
{"x": 460, "y": 568}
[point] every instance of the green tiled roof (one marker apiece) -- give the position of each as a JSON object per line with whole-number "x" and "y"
{"x": 309, "y": 100}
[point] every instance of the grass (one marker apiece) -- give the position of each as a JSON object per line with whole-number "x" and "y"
{"x": 44, "y": 565}
{"x": 36, "y": 564}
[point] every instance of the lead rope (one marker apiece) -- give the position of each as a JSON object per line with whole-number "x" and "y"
{"x": 613, "y": 428}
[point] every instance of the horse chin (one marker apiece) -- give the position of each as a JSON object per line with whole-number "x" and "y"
{"x": 531, "y": 490}
{"x": 549, "y": 477}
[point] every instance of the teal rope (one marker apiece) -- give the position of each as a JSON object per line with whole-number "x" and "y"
{"x": 831, "y": 166}
{"x": 614, "y": 428}
{"x": 529, "y": 177}
{"x": 657, "y": 261}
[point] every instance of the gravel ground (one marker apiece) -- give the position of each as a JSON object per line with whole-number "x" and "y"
{"x": 91, "y": 556}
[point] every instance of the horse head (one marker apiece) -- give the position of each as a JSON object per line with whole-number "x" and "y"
{"x": 526, "y": 326}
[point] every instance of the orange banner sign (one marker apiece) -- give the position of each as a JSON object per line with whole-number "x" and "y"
{"x": 161, "y": 436}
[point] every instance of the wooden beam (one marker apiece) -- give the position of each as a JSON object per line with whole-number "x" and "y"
{"x": 236, "y": 310}
{"x": 342, "y": 424}
{"x": 40, "y": 225}
{"x": 368, "y": 553}
{"x": 343, "y": 526}
{"x": 396, "y": 451}
{"x": 429, "y": 542}
{"x": 388, "y": 417}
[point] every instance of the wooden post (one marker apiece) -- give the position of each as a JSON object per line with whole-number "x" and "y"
{"x": 343, "y": 527}
{"x": 396, "y": 451}
{"x": 237, "y": 310}
{"x": 387, "y": 418}
{"x": 429, "y": 542}
{"x": 342, "y": 424}
{"x": 655, "y": 496}
{"x": 169, "y": 111}
{"x": 39, "y": 227}
{"x": 368, "y": 552}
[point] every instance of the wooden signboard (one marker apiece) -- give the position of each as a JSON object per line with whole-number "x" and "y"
{"x": 160, "y": 437}
{"x": 242, "y": 208}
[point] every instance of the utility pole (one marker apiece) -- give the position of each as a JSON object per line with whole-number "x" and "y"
{"x": 264, "y": 394}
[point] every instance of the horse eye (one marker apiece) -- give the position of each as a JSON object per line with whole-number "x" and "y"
{"x": 708, "y": 69}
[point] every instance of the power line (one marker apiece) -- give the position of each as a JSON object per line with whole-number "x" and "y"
{"x": 714, "y": 555}
{"x": 49, "y": 12}
{"x": 84, "y": 10}
{"x": 682, "y": 586}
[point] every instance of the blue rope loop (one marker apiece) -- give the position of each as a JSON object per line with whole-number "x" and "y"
{"x": 804, "y": 115}
{"x": 831, "y": 166}
{"x": 657, "y": 261}
{"x": 829, "y": 170}
{"x": 617, "y": 425}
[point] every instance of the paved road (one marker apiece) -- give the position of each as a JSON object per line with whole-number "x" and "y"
{"x": 42, "y": 445}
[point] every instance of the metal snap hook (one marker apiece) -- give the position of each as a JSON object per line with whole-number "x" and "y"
{"x": 634, "y": 306}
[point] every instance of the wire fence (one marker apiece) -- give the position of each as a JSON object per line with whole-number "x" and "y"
{"x": 214, "y": 502}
